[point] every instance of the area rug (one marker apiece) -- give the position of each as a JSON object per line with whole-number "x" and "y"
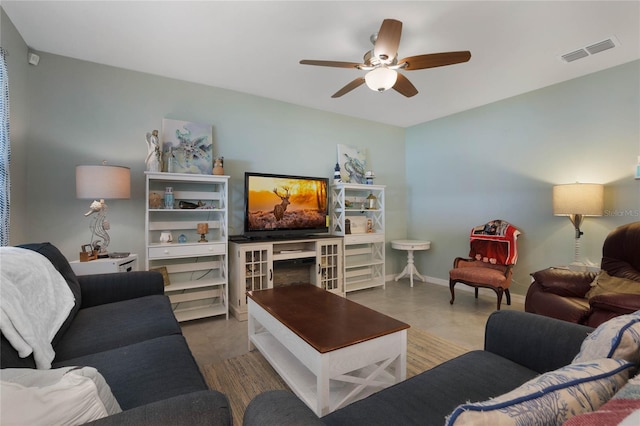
{"x": 243, "y": 377}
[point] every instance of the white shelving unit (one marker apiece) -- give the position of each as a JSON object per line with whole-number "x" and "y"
{"x": 197, "y": 271}
{"x": 363, "y": 232}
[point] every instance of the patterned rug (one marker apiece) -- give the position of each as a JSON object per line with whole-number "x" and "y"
{"x": 243, "y": 377}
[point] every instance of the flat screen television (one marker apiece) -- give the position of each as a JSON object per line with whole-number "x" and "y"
{"x": 280, "y": 206}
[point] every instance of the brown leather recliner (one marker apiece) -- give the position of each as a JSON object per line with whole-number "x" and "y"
{"x": 562, "y": 293}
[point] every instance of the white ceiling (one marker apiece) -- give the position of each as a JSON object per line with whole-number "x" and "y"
{"x": 255, "y": 47}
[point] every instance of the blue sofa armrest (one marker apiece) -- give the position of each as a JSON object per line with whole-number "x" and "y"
{"x": 193, "y": 409}
{"x": 537, "y": 342}
{"x": 108, "y": 288}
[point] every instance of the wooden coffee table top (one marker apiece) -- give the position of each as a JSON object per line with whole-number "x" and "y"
{"x": 324, "y": 320}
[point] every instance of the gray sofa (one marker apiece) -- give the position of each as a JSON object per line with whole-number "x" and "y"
{"x": 518, "y": 347}
{"x": 122, "y": 325}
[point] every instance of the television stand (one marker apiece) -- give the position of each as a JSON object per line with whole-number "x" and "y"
{"x": 262, "y": 264}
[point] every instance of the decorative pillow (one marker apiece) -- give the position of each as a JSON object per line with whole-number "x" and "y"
{"x": 622, "y": 409}
{"x": 604, "y": 283}
{"x": 70, "y": 396}
{"x": 617, "y": 338}
{"x": 551, "y": 398}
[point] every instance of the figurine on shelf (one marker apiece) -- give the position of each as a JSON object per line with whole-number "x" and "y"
{"x": 154, "y": 160}
{"x": 369, "y": 177}
{"x": 218, "y": 166}
{"x": 336, "y": 174}
{"x": 189, "y": 205}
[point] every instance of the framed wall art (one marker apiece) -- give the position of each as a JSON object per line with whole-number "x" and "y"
{"x": 352, "y": 161}
{"x": 187, "y": 147}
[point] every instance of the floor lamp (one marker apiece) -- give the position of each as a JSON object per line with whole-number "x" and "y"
{"x": 100, "y": 183}
{"x": 578, "y": 200}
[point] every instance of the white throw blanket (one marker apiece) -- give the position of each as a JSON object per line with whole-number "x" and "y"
{"x": 35, "y": 301}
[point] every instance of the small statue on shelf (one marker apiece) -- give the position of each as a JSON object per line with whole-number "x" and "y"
{"x": 336, "y": 174}
{"x": 218, "y": 166}
{"x": 154, "y": 160}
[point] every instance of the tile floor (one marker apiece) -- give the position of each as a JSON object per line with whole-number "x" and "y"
{"x": 425, "y": 306}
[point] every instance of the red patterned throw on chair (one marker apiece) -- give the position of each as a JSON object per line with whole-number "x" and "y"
{"x": 495, "y": 242}
{"x": 493, "y": 253}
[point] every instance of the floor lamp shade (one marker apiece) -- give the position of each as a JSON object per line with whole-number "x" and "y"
{"x": 585, "y": 199}
{"x": 577, "y": 200}
{"x": 103, "y": 182}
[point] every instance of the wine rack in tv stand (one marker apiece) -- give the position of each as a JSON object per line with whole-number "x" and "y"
{"x": 254, "y": 265}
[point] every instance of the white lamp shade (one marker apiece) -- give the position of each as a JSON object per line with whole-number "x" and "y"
{"x": 585, "y": 199}
{"x": 103, "y": 182}
{"x": 381, "y": 79}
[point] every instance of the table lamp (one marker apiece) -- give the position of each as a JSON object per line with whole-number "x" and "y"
{"x": 100, "y": 183}
{"x": 578, "y": 200}
{"x": 203, "y": 228}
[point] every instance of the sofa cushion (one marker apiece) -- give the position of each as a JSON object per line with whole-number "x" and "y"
{"x": 618, "y": 338}
{"x": 551, "y": 398}
{"x": 61, "y": 263}
{"x": 210, "y": 408}
{"x": 9, "y": 357}
{"x": 114, "y": 325}
{"x": 72, "y": 395}
{"x": 564, "y": 282}
{"x": 604, "y": 283}
{"x": 426, "y": 399}
{"x": 146, "y": 372}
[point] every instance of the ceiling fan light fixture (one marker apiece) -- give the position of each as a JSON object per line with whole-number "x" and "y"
{"x": 381, "y": 79}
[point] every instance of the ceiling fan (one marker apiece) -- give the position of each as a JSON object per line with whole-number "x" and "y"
{"x": 382, "y": 63}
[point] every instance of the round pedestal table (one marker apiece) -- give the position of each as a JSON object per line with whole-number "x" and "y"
{"x": 410, "y": 246}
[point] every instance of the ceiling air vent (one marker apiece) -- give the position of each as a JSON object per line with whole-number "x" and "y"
{"x": 599, "y": 47}
{"x": 574, "y": 56}
{"x": 592, "y": 49}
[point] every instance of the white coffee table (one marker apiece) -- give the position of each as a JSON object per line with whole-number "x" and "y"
{"x": 329, "y": 350}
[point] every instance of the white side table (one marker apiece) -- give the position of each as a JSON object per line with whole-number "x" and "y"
{"x": 105, "y": 266}
{"x": 410, "y": 246}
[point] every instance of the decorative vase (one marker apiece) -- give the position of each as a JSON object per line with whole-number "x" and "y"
{"x": 168, "y": 197}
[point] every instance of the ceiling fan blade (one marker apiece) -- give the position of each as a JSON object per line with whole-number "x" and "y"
{"x": 404, "y": 86}
{"x": 386, "y": 47}
{"x": 335, "y": 64}
{"x": 433, "y": 60}
{"x": 349, "y": 87}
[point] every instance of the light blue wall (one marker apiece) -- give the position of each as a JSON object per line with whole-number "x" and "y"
{"x": 500, "y": 161}
{"x": 82, "y": 113}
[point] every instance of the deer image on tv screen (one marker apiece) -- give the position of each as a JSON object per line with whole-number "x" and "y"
{"x": 281, "y": 203}
{"x": 279, "y": 209}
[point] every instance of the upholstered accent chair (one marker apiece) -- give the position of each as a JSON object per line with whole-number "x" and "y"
{"x": 492, "y": 257}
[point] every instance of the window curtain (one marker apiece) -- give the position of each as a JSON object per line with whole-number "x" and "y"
{"x": 5, "y": 150}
